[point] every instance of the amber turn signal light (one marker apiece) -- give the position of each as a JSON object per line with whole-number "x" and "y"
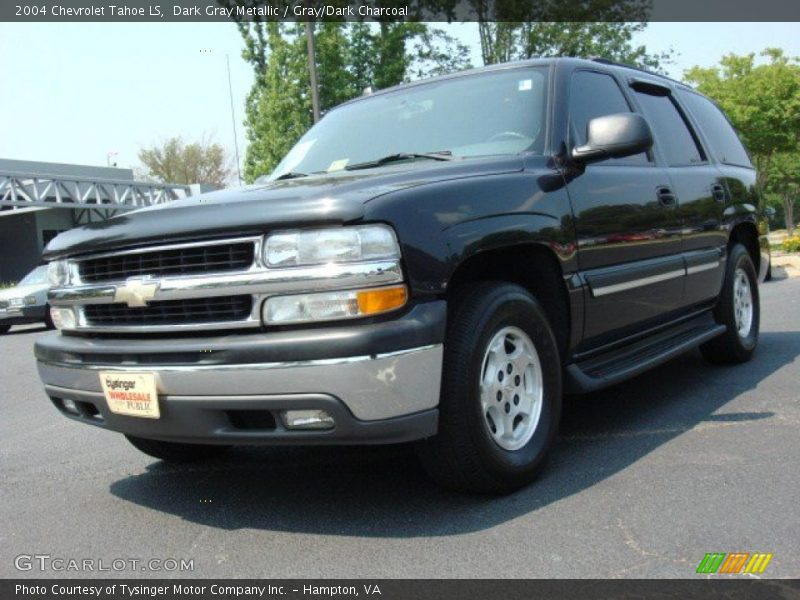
{"x": 371, "y": 302}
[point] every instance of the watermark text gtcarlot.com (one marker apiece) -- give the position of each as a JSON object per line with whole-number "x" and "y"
{"x": 47, "y": 562}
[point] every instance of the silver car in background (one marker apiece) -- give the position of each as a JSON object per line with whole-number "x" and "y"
{"x": 26, "y": 302}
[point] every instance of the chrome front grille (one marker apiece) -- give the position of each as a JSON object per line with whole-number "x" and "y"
{"x": 171, "y": 312}
{"x": 196, "y": 286}
{"x": 181, "y": 260}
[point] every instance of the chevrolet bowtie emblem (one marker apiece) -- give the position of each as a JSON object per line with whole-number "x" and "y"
{"x": 136, "y": 292}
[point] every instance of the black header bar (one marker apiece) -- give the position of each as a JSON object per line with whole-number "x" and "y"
{"x": 724, "y": 588}
{"x": 398, "y": 10}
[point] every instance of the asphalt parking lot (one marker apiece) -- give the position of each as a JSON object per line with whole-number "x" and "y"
{"x": 646, "y": 478}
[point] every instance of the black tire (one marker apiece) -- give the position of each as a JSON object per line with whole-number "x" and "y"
{"x": 176, "y": 452}
{"x": 732, "y": 347}
{"x": 463, "y": 455}
{"x": 4, "y": 329}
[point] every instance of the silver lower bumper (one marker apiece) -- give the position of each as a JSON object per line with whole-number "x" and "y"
{"x": 371, "y": 387}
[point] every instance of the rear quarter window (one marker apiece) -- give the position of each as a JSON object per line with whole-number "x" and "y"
{"x": 725, "y": 144}
{"x": 670, "y": 130}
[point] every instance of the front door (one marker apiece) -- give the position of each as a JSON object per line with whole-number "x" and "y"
{"x": 627, "y": 225}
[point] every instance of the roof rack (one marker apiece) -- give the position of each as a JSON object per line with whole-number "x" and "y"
{"x": 607, "y": 61}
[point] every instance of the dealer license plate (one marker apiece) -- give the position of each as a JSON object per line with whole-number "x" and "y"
{"x": 131, "y": 394}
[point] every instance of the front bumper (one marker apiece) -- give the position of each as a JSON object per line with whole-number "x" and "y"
{"x": 379, "y": 381}
{"x": 23, "y": 315}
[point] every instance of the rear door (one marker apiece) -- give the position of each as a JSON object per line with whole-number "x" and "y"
{"x": 626, "y": 221}
{"x": 698, "y": 185}
{"x": 736, "y": 172}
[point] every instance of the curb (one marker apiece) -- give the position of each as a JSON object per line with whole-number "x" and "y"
{"x": 786, "y": 266}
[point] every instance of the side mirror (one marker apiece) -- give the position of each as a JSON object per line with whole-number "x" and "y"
{"x": 614, "y": 136}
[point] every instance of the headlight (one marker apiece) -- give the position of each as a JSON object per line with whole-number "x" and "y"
{"x": 63, "y": 318}
{"x": 328, "y": 306}
{"x": 30, "y": 300}
{"x": 58, "y": 272}
{"x": 340, "y": 244}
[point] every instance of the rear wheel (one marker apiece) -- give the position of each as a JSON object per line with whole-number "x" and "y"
{"x": 738, "y": 309}
{"x": 501, "y": 393}
{"x": 176, "y": 452}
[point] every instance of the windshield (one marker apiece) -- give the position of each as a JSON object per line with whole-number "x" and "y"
{"x": 476, "y": 115}
{"x": 35, "y": 277}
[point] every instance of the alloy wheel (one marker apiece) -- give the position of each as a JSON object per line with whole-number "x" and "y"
{"x": 511, "y": 388}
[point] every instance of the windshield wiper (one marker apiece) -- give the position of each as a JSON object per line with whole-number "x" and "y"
{"x": 291, "y": 175}
{"x": 443, "y": 155}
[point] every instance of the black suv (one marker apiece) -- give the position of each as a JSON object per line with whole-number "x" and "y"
{"x": 437, "y": 262}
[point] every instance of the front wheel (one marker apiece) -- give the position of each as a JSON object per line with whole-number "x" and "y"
{"x": 501, "y": 392}
{"x": 738, "y": 308}
{"x": 4, "y": 329}
{"x": 176, "y": 452}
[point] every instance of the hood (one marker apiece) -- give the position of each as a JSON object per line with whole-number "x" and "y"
{"x": 319, "y": 200}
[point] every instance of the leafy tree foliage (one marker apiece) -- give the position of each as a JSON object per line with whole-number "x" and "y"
{"x": 178, "y": 162}
{"x": 362, "y": 57}
{"x": 351, "y": 57}
{"x": 608, "y": 40}
{"x": 437, "y": 53}
{"x": 519, "y": 29}
{"x": 278, "y": 108}
{"x": 336, "y": 80}
{"x": 502, "y": 42}
{"x": 783, "y": 185}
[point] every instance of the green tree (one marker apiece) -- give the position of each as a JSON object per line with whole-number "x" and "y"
{"x": 435, "y": 52}
{"x": 503, "y": 42}
{"x": 337, "y": 82}
{"x": 519, "y": 29}
{"x": 783, "y": 184}
{"x": 390, "y": 45}
{"x": 278, "y": 109}
{"x": 177, "y": 162}
{"x": 608, "y": 40}
{"x": 499, "y": 41}
{"x": 350, "y": 57}
{"x": 391, "y": 53}
{"x": 362, "y": 57}
{"x": 761, "y": 100}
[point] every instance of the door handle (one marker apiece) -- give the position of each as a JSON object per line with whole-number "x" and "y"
{"x": 666, "y": 197}
{"x": 718, "y": 192}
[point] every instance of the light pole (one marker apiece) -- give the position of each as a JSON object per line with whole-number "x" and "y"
{"x": 312, "y": 69}
{"x": 233, "y": 121}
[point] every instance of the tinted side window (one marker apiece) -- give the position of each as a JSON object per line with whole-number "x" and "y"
{"x": 670, "y": 130}
{"x": 723, "y": 139}
{"x": 594, "y": 95}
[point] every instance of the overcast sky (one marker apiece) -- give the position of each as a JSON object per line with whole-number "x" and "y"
{"x": 75, "y": 92}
